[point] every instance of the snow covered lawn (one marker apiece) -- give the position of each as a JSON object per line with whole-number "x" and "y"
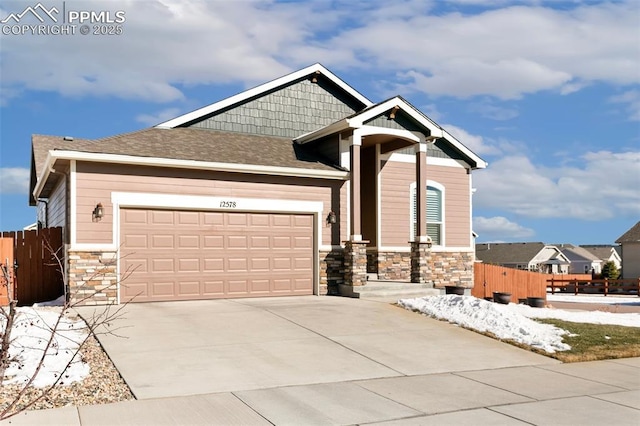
{"x": 512, "y": 321}
{"x": 30, "y": 334}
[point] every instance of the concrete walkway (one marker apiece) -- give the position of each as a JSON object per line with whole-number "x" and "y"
{"x": 326, "y": 360}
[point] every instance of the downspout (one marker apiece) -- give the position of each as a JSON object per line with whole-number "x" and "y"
{"x": 46, "y": 211}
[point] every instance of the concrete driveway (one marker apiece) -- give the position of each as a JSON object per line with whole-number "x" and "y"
{"x": 200, "y": 347}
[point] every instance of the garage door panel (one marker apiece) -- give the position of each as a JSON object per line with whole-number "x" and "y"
{"x": 189, "y": 265}
{"x": 161, "y": 217}
{"x": 216, "y": 254}
{"x": 213, "y": 288}
{"x": 163, "y": 241}
{"x": 213, "y": 265}
{"x": 260, "y": 286}
{"x": 162, "y": 288}
{"x": 188, "y": 218}
{"x": 281, "y": 242}
{"x": 238, "y": 219}
{"x": 259, "y": 264}
{"x": 302, "y": 242}
{"x": 162, "y": 265}
{"x": 237, "y": 242}
{"x": 281, "y": 220}
{"x": 136, "y": 241}
{"x": 238, "y": 287}
{"x": 213, "y": 241}
{"x": 189, "y": 288}
{"x": 259, "y": 242}
{"x": 259, "y": 220}
{"x": 131, "y": 262}
{"x": 188, "y": 241}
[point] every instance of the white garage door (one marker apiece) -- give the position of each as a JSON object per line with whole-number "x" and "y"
{"x": 186, "y": 255}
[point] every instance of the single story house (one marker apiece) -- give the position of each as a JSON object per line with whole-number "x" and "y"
{"x": 582, "y": 260}
{"x": 606, "y": 253}
{"x": 538, "y": 257}
{"x": 630, "y": 252}
{"x": 301, "y": 185}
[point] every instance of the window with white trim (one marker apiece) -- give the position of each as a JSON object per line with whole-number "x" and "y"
{"x": 435, "y": 214}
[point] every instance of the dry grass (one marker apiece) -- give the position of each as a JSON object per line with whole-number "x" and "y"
{"x": 591, "y": 342}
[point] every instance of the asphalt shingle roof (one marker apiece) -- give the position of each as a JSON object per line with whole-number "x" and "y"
{"x": 190, "y": 144}
{"x": 508, "y": 252}
{"x": 631, "y": 236}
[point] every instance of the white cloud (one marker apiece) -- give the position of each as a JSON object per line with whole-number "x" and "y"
{"x": 14, "y": 180}
{"x": 488, "y": 110}
{"x": 158, "y": 117}
{"x": 631, "y": 99}
{"x": 605, "y": 186}
{"x": 475, "y": 143}
{"x": 505, "y": 51}
{"x": 490, "y": 228}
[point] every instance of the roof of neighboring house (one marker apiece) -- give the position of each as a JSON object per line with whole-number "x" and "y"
{"x": 631, "y": 236}
{"x": 189, "y": 144}
{"x": 508, "y": 252}
{"x": 578, "y": 253}
{"x": 602, "y": 251}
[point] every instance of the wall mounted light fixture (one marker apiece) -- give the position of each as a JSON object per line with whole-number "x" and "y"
{"x": 331, "y": 218}
{"x": 98, "y": 212}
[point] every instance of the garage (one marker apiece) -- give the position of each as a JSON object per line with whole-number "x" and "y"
{"x": 188, "y": 255}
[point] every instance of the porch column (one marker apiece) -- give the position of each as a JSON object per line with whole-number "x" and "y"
{"x": 420, "y": 246}
{"x": 355, "y": 256}
{"x": 421, "y": 192}
{"x": 356, "y": 226}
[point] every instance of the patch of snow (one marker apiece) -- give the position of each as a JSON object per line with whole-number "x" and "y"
{"x": 57, "y": 302}
{"x": 607, "y": 300}
{"x": 29, "y": 336}
{"x": 484, "y": 316}
{"x": 593, "y": 317}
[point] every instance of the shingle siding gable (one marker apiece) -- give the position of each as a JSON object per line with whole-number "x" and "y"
{"x": 288, "y": 112}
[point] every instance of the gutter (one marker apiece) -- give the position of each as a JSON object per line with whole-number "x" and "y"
{"x": 55, "y": 155}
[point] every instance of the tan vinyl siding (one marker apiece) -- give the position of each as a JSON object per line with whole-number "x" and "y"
{"x": 95, "y": 182}
{"x": 396, "y": 180}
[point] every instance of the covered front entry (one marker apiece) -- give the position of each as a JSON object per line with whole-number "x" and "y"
{"x": 186, "y": 255}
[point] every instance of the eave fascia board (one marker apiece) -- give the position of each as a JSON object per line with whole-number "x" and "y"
{"x": 247, "y": 94}
{"x": 44, "y": 175}
{"x": 338, "y": 126}
{"x": 196, "y": 165}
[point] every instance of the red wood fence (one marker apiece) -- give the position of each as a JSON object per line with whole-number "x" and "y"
{"x": 35, "y": 272}
{"x": 596, "y": 286}
{"x": 521, "y": 284}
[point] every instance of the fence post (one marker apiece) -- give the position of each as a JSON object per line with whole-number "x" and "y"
{"x": 553, "y": 288}
{"x": 606, "y": 285}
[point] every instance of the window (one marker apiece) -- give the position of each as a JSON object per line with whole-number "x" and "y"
{"x": 435, "y": 215}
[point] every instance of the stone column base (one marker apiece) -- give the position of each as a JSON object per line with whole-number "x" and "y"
{"x": 355, "y": 263}
{"x": 420, "y": 262}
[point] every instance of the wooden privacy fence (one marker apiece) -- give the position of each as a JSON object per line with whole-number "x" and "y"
{"x": 521, "y": 284}
{"x": 34, "y": 271}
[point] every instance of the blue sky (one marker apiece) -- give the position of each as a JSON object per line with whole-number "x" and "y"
{"x": 548, "y": 92}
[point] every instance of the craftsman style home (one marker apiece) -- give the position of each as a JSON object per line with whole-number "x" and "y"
{"x": 299, "y": 186}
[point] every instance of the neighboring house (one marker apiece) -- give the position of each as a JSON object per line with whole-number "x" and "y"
{"x": 630, "y": 248}
{"x": 606, "y": 253}
{"x": 582, "y": 260}
{"x": 301, "y": 185}
{"x": 538, "y": 257}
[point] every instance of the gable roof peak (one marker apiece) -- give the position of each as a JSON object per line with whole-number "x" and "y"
{"x": 316, "y": 68}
